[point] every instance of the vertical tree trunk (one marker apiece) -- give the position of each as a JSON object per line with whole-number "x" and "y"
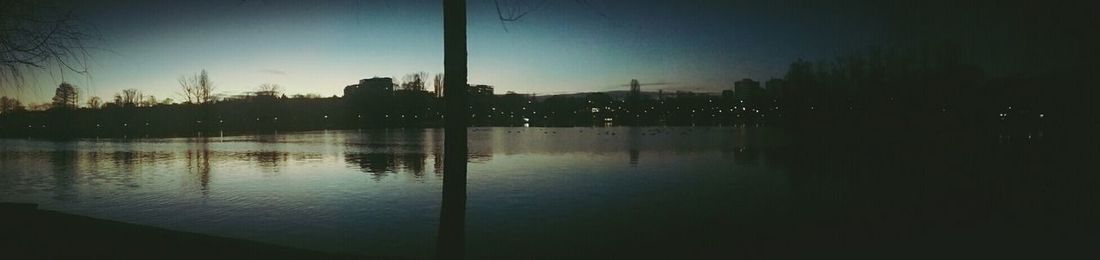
{"x": 452, "y": 217}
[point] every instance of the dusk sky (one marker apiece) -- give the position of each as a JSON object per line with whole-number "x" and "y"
{"x": 564, "y": 47}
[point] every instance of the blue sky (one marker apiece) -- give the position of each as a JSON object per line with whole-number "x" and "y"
{"x": 321, "y": 46}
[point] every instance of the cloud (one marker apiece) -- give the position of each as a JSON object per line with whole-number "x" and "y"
{"x": 271, "y": 71}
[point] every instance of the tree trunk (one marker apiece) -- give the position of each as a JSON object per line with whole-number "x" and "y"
{"x": 452, "y": 217}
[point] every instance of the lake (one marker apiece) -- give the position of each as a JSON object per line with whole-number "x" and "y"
{"x": 546, "y": 192}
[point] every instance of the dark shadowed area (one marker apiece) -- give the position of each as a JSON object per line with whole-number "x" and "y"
{"x": 532, "y": 129}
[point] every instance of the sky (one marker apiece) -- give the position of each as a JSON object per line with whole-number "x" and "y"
{"x": 564, "y": 46}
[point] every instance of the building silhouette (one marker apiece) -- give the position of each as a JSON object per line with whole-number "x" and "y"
{"x": 480, "y": 90}
{"x": 747, "y": 89}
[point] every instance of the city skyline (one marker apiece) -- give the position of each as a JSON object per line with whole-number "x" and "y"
{"x": 561, "y": 47}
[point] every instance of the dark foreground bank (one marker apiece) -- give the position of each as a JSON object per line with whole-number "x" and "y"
{"x": 29, "y": 232}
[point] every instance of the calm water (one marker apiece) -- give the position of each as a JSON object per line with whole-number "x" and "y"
{"x": 547, "y": 191}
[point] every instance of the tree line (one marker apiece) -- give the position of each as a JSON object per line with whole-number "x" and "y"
{"x": 899, "y": 88}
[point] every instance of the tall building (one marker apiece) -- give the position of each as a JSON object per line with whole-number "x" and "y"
{"x": 774, "y": 87}
{"x": 373, "y": 87}
{"x": 746, "y": 89}
{"x": 376, "y": 85}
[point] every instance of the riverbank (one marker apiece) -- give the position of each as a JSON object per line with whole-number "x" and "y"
{"x": 32, "y": 233}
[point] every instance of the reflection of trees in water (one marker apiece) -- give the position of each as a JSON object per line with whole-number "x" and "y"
{"x": 633, "y": 143}
{"x": 198, "y": 165}
{"x": 437, "y": 162}
{"x": 380, "y": 152}
{"x": 130, "y": 162}
{"x": 634, "y": 156}
{"x": 269, "y": 161}
{"x": 381, "y": 164}
{"x": 63, "y": 164}
{"x": 414, "y": 162}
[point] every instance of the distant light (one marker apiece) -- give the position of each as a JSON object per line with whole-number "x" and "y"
{"x": 326, "y": 116}
{"x": 1041, "y": 115}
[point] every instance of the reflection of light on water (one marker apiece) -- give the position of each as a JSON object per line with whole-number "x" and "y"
{"x": 373, "y": 187}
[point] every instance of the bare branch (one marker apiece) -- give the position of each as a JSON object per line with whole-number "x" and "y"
{"x": 35, "y": 35}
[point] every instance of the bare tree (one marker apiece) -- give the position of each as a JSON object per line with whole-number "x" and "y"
{"x": 128, "y": 98}
{"x": 95, "y": 102}
{"x": 188, "y": 89}
{"x": 66, "y": 96}
{"x": 206, "y": 89}
{"x": 37, "y": 35}
{"x": 415, "y": 81}
{"x": 197, "y": 89}
{"x": 437, "y": 83}
{"x": 268, "y": 89}
{"x": 149, "y": 101}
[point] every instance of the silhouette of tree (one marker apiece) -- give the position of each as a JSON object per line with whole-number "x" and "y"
{"x": 414, "y": 81}
{"x": 197, "y": 89}
{"x": 9, "y": 105}
{"x": 189, "y": 89}
{"x": 66, "y": 96}
{"x": 268, "y": 90}
{"x": 149, "y": 101}
{"x": 206, "y": 89}
{"x": 437, "y": 83}
{"x": 36, "y": 34}
{"x": 128, "y": 98}
{"x": 95, "y": 102}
